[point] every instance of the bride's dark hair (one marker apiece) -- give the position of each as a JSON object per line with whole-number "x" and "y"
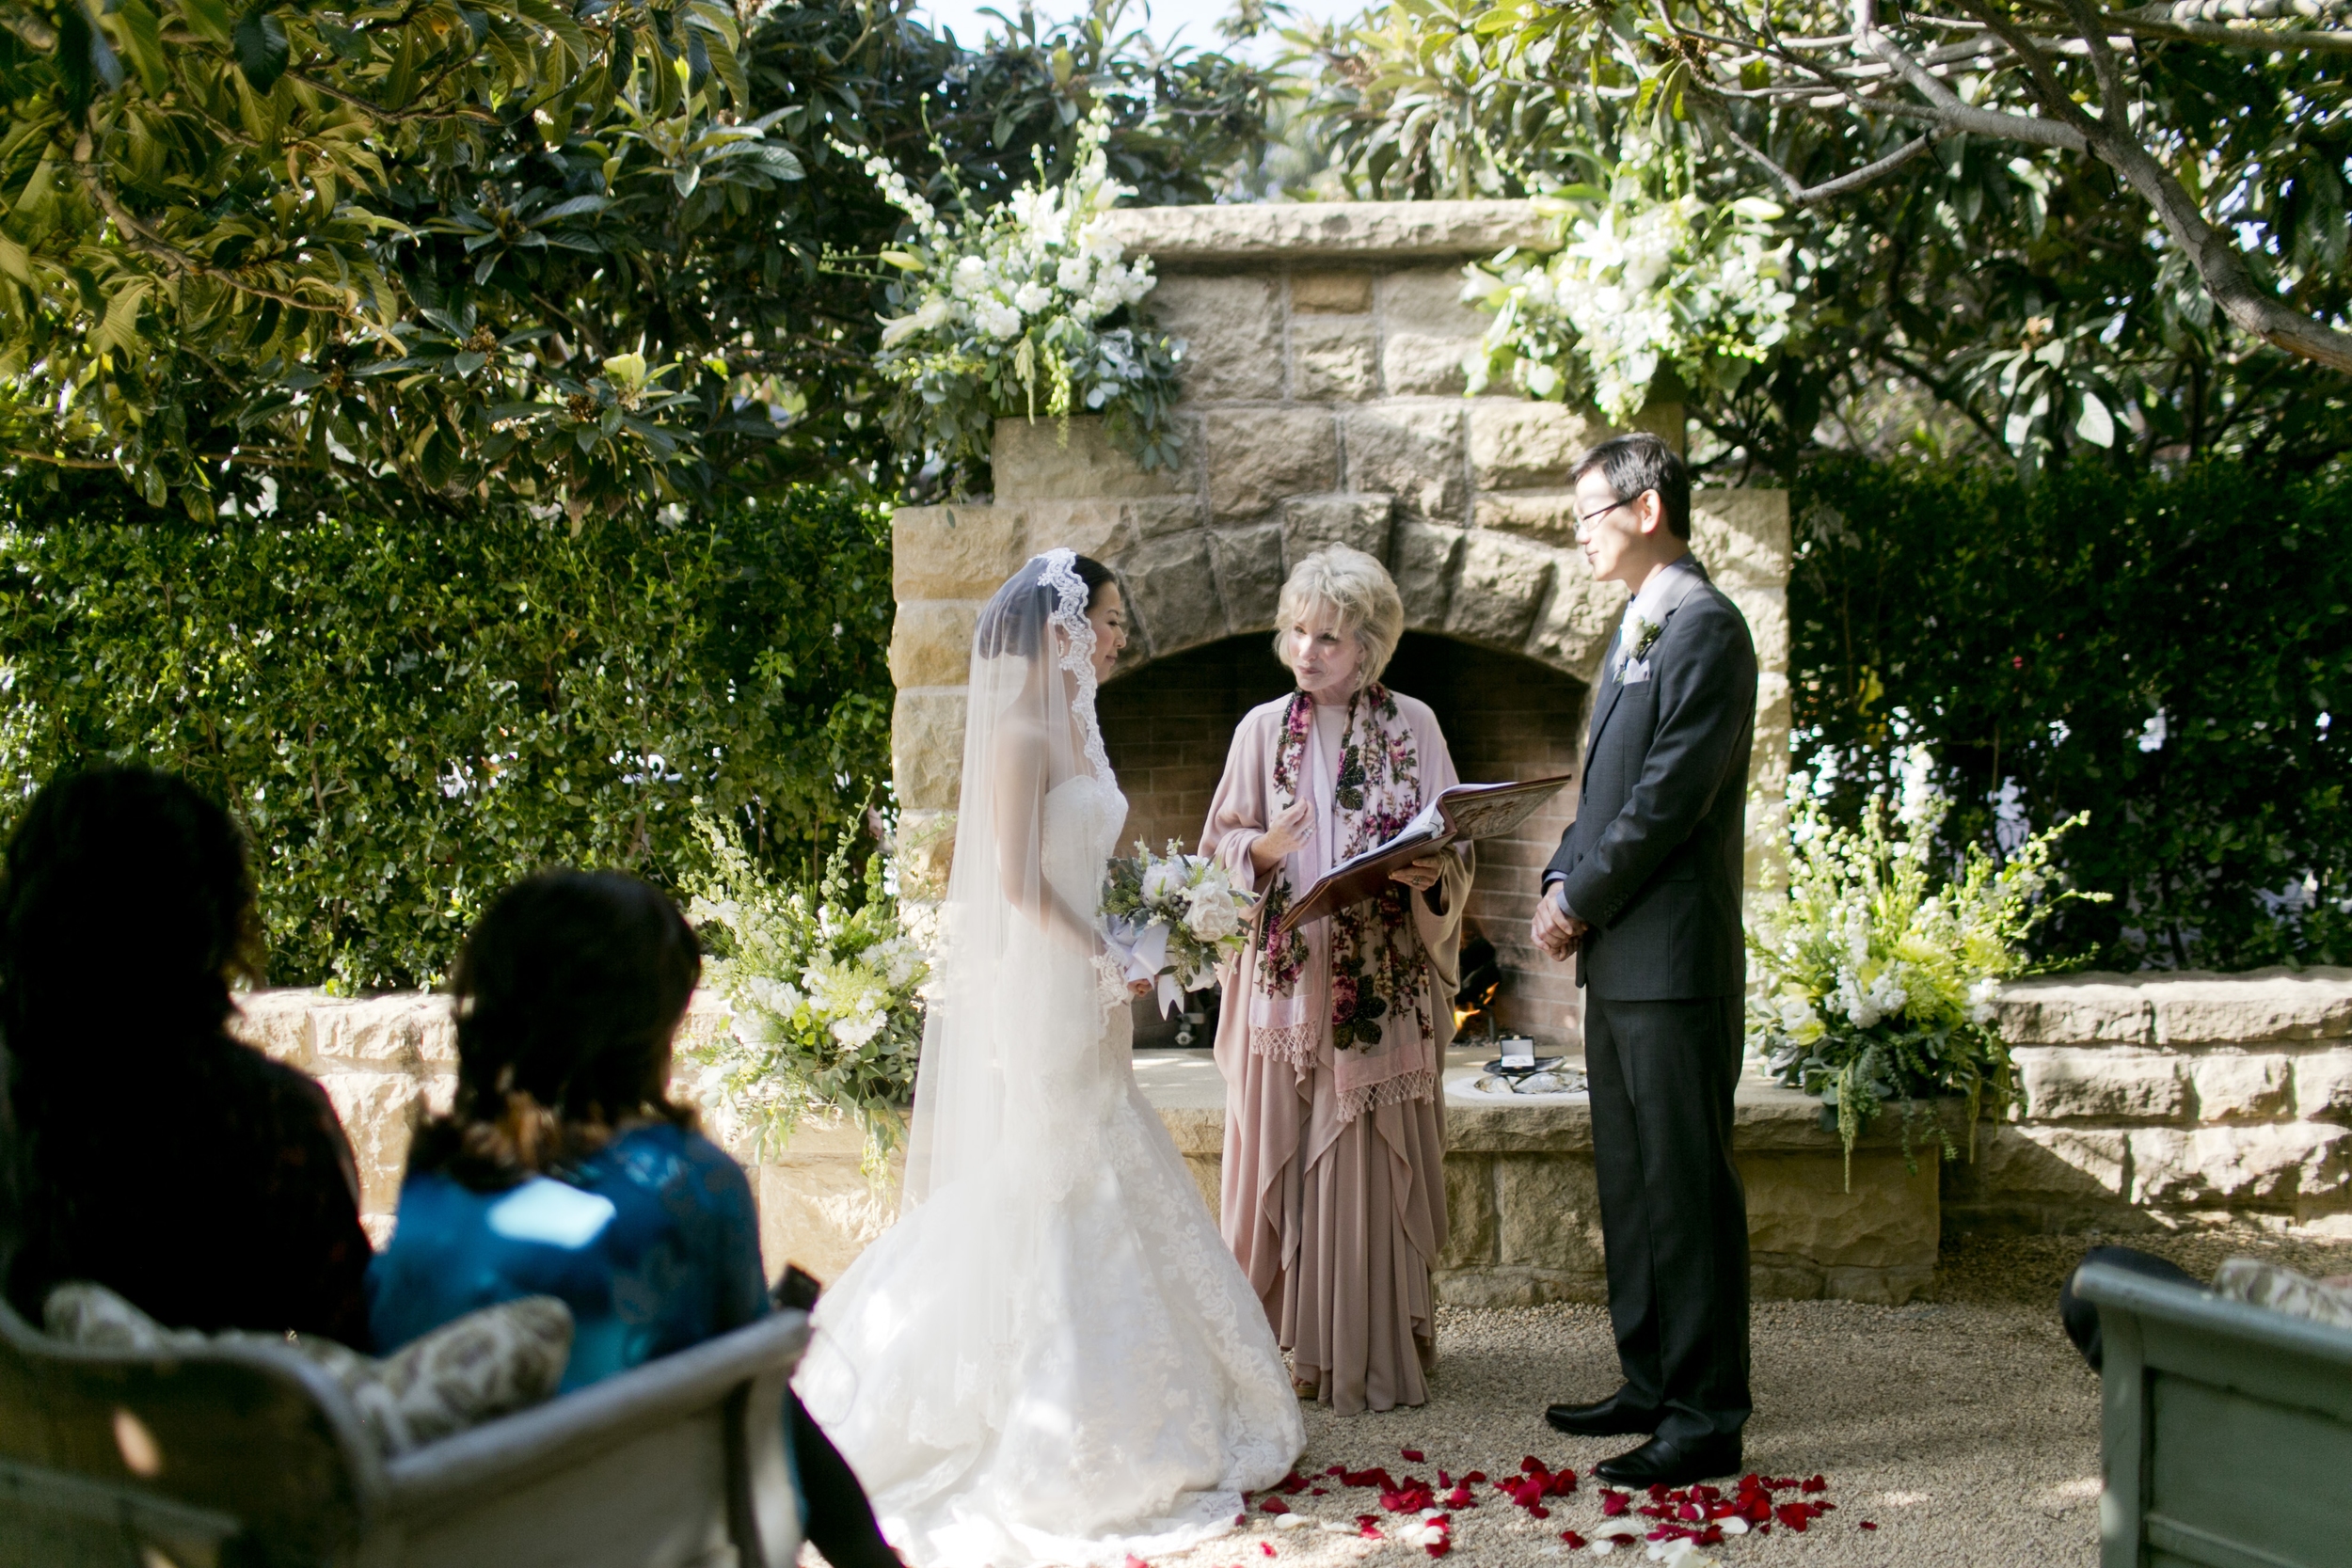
{"x": 1013, "y": 624}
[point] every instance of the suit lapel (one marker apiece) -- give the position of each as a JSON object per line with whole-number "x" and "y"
{"x": 1682, "y": 587}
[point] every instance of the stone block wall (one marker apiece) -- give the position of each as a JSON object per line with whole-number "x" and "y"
{"x": 2168, "y": 1100}
{"x": 1323, "y": 401}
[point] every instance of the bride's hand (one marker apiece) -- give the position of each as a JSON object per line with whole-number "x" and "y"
{"x": 1139, "y": 988}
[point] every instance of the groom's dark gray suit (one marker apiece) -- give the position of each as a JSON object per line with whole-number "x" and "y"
{"x": 1652, "y": 864}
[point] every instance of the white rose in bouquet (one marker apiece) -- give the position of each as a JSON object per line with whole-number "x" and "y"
{"x": 1213, "y": 914}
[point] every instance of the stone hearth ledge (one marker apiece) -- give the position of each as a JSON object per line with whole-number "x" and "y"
{"x": 1525, "y": 1210}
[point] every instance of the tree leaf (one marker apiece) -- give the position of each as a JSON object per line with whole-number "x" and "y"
{"x": 261, "y": 49}
{"x": 2095, "y": 426}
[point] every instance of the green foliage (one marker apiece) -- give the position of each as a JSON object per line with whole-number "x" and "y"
{"x": 558, "y": 251}
{"x": 2166, "y": 655}
{"x": 1989, "y": 296}
{"x": 407, "y": 710}
{"x": 824, "y": 983}
{"x": 1878, "y": 981}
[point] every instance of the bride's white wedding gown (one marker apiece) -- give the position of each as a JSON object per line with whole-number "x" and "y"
{"x": 1053, "y": 1359}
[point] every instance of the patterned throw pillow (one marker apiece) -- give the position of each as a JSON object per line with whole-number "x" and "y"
{"x": 2283, "y": 1289}
{"x": 474, "y": 1370}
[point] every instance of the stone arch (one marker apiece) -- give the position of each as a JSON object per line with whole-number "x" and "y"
{"x": 1166, "y": 722}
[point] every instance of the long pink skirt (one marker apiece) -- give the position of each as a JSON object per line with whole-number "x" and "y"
{"x": 1336, "y": 1224}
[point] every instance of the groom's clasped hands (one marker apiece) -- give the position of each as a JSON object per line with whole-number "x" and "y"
{"x": 1554, "y": 929}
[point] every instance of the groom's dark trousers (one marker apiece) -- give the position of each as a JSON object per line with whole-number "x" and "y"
{"x": 1653, "y": 863}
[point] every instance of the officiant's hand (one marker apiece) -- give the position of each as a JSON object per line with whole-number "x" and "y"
{"x": 1288, "y": 833}
{"x": 1421, "y": 876}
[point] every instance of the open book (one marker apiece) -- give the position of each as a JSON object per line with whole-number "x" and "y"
{"x": 1466, "y": 811}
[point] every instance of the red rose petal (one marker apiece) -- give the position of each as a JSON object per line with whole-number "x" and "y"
{"x": 1868, "y": 1525}
{"x": 1274, "y": 1505}
{"x": 1792, "y": 1515}
{"x": 1413, "y": 1456}
{"x": 1539, "y": 1511}
{"x": 1613, "y": 1504}
{"x": 1460, "y": 1497}
{"x": 1531, "y": 1465}
{"x": 1475, "y": 1477}
{"x": 1319, "y": 1491}
{"x": 1573, "y": 1540}
{"x": 1819, "y": 1483}
{"x": 1444, "y": 1480}
{"x": 1266, "y": 1549}
{"x": 1135, "y": 1562}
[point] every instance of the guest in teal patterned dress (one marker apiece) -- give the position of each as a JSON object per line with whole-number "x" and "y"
{"x": 563, "y": 1169}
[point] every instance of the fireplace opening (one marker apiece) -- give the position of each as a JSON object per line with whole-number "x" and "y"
{"x": 1167, "y": 725}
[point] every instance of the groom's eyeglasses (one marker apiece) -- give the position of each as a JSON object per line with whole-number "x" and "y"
{"x": 1584, "y": 519}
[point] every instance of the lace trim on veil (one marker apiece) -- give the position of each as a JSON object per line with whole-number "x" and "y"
{"x": 1070, "y": 614}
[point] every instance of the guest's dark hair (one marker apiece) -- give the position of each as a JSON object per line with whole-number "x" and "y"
{"x": 567, "y": 994}
{"x": 125, "y": 888}
{"x": 1638, "y": 462}
{"x": 1014, "y": 622}
{"x": 129, "y": 885}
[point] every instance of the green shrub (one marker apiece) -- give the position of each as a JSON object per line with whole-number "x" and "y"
{"x": 409, "y": 710}
{"x": 2166, "y": 654}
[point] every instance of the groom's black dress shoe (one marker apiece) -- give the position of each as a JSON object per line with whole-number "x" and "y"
{"x": 1673, "y": 1462}
{"x": 1614, "y": 1417}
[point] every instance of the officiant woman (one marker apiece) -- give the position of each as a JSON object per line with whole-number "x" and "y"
{"x": 1332, "y": 1037}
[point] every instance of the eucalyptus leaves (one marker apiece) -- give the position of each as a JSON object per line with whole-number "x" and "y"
{"x": 1011, "y": 311}
{"x": 1879, "y": 984}
{"x": 1641, "y": 281}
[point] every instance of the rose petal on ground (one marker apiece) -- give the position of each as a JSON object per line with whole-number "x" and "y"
{"x": 1444, "y": 1480}
{"x": 1613, "y": 1503}
{"x": 1293, "y": 1521}
{"x": 1320, "y": 1492}
{"x": 1867, "y": 1524}
{"x": 1274, "y": 1505}
{"x": 1731, "y": 1524}
{"x": 1530, "y": 1466}
{"x": 1413, "y": 1456}
{"x": 1573, "y": 1540}
{"x": 1818, "y": 1483}
{"x": 1475, "y": 1477}
{"x": 1266, "y": 1549}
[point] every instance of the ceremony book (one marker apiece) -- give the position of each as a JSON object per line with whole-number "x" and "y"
{"x": 1466, "y": 811}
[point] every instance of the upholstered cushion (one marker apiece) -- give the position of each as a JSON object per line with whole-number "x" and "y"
{"x": 481, "y": 1366}
{"x": 2269, "y": 1285}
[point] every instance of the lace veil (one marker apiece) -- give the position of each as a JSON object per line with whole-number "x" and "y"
{"x": 1015, "y": 1021}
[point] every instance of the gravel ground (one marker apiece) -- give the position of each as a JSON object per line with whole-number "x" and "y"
{"x": 1964, "y": 1427}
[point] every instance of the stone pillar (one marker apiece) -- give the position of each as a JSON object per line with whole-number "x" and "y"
{"x": 1323, "y": 400}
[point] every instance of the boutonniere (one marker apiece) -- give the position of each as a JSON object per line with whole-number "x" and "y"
{"x": 1640, "y": 635}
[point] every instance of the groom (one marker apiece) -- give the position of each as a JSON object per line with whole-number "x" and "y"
{"x": 1645, "y": 892}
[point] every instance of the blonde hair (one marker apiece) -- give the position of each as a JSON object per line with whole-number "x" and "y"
{"x": 1358, "y": 590}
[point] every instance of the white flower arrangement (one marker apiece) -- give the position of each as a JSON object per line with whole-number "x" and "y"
{"x": 1877, "y": 986}
{"x": 825, "y": 993}
{"x": 1637, "y": 282}
{"x": 1024, "y": 309}
{"x": 1172, "y": 919}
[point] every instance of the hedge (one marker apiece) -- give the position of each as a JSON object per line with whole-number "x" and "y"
{"x": 409, "y": 712}
{"x": 2167, "y": 654}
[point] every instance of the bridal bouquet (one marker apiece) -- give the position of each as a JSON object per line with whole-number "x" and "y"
{"x": 1171, "y": 919}
{"x": 1879, "y": 979}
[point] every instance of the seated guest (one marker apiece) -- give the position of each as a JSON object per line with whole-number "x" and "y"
{"x": 564, "y": 1168}
{"x": 149, "y": 1152}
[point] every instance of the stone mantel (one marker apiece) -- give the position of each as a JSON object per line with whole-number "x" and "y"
{"x": 1182, "y": 238}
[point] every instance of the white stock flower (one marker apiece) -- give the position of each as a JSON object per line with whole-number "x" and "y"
{"x": 1074, "y": 276}
{"x": 1161, "y": 878}
{"x": 1983, "y": 997}
{"x": 971, "y": 276}
{"x": 998, "y": 319}
{"x": 1032, "y": 297}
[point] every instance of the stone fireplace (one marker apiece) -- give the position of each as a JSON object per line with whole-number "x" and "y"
{"x": 1323, "y": 400}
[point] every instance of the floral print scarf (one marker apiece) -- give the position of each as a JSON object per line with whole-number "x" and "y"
{"x": 1378, "y": 1024}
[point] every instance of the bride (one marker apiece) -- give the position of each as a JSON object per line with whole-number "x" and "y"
{"x": 1051, "y": 1357}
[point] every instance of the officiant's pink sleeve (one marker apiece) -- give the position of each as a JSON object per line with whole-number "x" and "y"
{"x": 1240, "y": 812}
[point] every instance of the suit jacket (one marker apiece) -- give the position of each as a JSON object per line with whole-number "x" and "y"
{"x": 1653, "y": 860}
